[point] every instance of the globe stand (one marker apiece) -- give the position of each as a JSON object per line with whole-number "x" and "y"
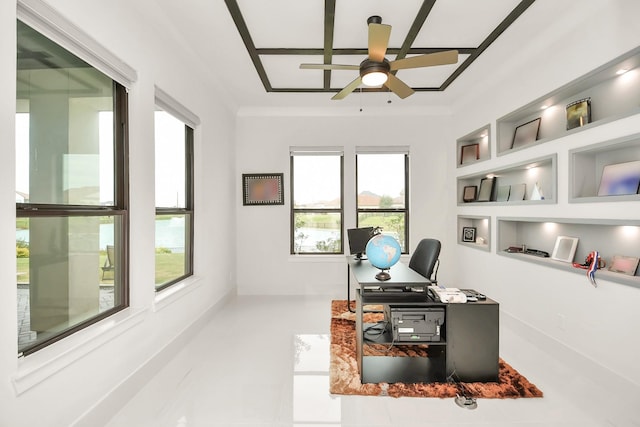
{"x": 383, "y": 276}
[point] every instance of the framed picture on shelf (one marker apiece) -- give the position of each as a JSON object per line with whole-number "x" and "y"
{"x": 469, "y": 193}
{"x": 526, "y": 133}
{"x": 486, "y": 189}
{"x": 260, "y": 189}
{"x": 624, "y": 264}
{"x": 565, "y": 248}
{"x": 503, "y": 193}
{"x": 620, "y": 179}
{"x": 469, "y": 153}
{"x": 469, "y": 234}
{"x": 578, "y": 113}
{"x": 518, "y": 192}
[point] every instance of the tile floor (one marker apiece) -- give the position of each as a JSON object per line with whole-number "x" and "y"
{"x": 263, "y": 361}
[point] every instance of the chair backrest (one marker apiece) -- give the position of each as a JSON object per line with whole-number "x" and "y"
{"x": 425, "y": 258}
{"x": 110, "y": 256}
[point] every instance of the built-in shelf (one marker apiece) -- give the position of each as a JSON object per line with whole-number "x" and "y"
{"x": 530, "y": 182}
{"x": 474, "y": 147}
{"x": 475, "y": 231}
{"x": 613, "y": 90}
{"x": 588, "y": 163}
{"x": 607, "y": 236}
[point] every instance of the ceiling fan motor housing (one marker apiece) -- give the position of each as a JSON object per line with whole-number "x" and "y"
{"x": 368, "y": 66}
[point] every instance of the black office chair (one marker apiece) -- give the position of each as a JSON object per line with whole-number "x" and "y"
{"x": 425, "y": 259}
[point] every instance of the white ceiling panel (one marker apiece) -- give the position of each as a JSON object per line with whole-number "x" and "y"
{"x": 462, "y": 23}
{"x": 429, "y": 76}
{"x": 351, "y": 16}
{"x": 286, "y": 33}
{"x": 284, "y": 71}
{"x": 284, "y": 23}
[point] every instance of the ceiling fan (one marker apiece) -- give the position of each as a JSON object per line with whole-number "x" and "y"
{"x": 376, "y": 69}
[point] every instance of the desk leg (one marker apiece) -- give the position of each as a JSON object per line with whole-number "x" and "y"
{"x": 349, "y": 289}
{"x": 359, "y": 336}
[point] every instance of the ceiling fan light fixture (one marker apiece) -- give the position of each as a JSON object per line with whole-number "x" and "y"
{"x": 374, "y": 78}
{"x": 374, "y": 73}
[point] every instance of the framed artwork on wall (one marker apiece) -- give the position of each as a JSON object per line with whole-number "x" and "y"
{"x": 260, "y": 189}
{"x": 526, "y": 133}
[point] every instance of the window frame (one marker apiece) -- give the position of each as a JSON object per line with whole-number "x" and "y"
{"x": 405, "y": 210}
{"x": 120, "y": 208}
{"x": 187, "y": 211}
{"x": 294, "y": 210}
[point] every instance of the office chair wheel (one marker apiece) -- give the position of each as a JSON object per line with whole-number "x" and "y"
{"x": 466, "y": 402}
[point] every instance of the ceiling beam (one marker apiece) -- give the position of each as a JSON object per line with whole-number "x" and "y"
{"x": 329, "y": 21}
{"x": 363, "y": 51}
{"x": 424, "y": 11}
{"x": 506, "y": 22}
{"x": 234, "y": 10}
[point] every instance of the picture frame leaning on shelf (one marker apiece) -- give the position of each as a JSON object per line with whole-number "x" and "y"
{"x": 578, "y": 113}
{"x": 469, "y": 153}
{"x": 526, "y": 133}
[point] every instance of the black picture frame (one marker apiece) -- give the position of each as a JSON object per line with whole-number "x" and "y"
{"x": 526, "y": 133}
{"x": 261, "y": 189}
{"x": 485, "y": 194}
{"x": 469, "y": 234}
{"x": 578, "y": 113}
{"x": 469, "y": 153}
{"x": 469, "y": 193}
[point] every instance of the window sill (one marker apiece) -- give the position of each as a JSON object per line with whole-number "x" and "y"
{"x": 37, "y": 367}
{"x": 317, "y": 258}
{"x": 173, "y": 293}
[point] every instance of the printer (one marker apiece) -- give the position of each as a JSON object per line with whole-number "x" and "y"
{"x": 415, "y": 324}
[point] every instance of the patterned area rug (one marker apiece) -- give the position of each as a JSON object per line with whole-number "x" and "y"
{"x": 344, "y": 378}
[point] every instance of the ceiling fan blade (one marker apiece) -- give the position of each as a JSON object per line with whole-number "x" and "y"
{"x": 398, "y": 87}
{"x": 378, "y": 41}
{"x": 348, "y": 89}
{"x": 329, "y": 67}
{"x": 428, "y": 60}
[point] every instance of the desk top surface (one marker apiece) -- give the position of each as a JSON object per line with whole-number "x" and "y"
{"x": 400, "y": 273}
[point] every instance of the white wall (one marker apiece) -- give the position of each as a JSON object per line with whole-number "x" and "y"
{"x": 263, "y": 142}
{"x": 561, "y": 309}
{"x": 57, "y": 385}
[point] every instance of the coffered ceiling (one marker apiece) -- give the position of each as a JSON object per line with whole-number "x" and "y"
{"x": 279, "y": 35}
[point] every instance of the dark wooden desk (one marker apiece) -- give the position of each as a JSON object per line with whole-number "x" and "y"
{"x": 467, "y": 351}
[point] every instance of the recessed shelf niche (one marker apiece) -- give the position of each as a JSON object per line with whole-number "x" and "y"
{"x": 541, "y": 171}
{"x": 609, "y": 237}
{"x": 466, "y": 147}
{"x": 482, "y": 232}
{"x": 614, "y": 94}
{"x": 587, "y": 164}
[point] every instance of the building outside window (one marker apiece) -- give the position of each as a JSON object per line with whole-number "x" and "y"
{"x": 174, "y": 199}
{"x": 71, "y": 192}
{"x": 382, "y": 191}
{"x": 317, "y": 205}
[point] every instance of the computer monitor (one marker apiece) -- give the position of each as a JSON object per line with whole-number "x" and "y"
{"x": 358, "y": 239}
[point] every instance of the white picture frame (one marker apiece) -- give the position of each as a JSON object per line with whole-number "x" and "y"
{"x": 565, "y": 248}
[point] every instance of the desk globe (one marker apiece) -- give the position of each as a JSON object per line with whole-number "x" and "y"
{"x": 383, "y": 252}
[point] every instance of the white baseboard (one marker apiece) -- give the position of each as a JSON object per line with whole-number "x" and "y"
{"x": 120, "y": 395}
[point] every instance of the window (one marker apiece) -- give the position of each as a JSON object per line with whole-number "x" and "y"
{"x": 382, "y": 192}
{"x": 71, "y": 192}
{"x": 316, "y": 207}
{"x": 174, "y": 199}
